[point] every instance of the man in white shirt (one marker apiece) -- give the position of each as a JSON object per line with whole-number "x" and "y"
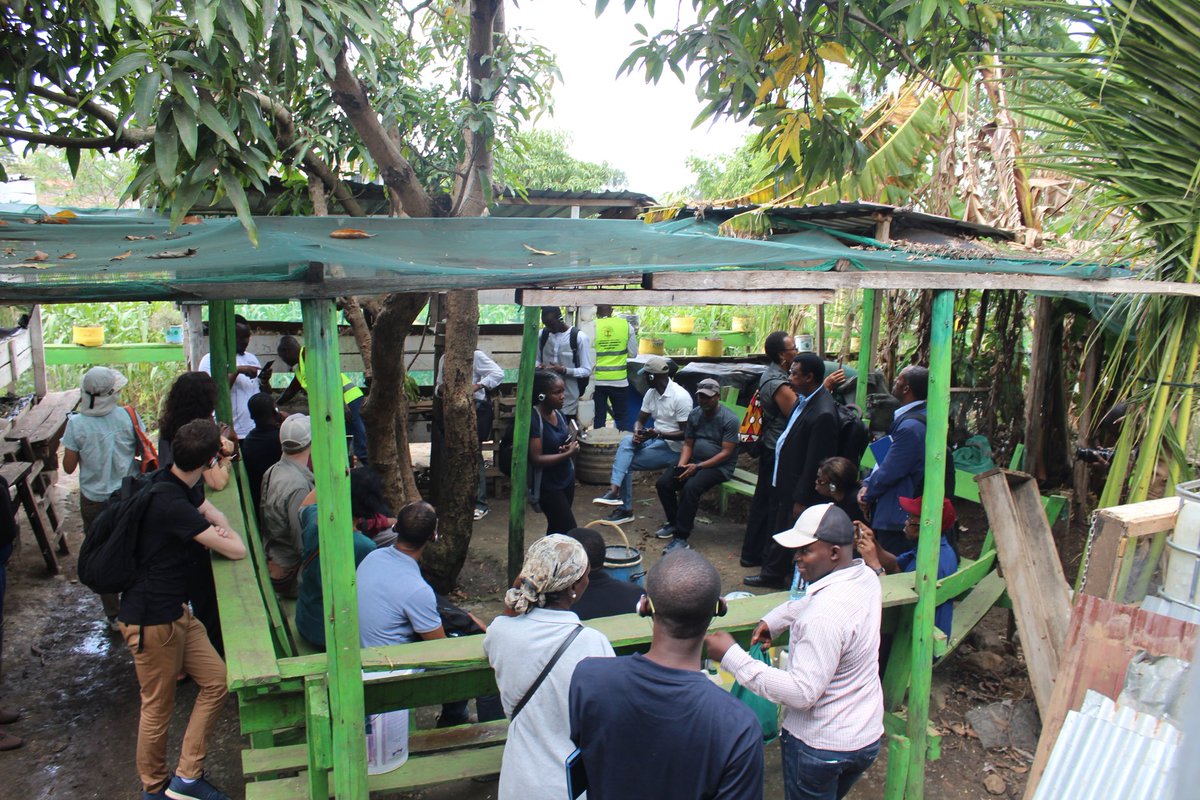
{"x": 486, "y": 375}
{"x": 567, "y": 351}
{"x": 646, "y": 448}
{"x": 243, "y": 382}
{"x": 833, "y": 701}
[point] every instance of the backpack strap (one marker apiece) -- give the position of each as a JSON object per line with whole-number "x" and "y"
{"x": 542, "y": 338}
{"x": 573, "y": 338}
{"x": 562, "y": 648}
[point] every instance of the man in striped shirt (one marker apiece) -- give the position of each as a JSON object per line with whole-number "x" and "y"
{"x": 830, "y": 690}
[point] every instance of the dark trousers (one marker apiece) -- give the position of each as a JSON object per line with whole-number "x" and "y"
{"x": 812, "y": 774}
{"x": 760, "y": 522}
{"x": 356, "y": 428}
{"x": 680, "y": 501}
{"x": 777, "y": 561}
{"x": 5, "y": 553}
{"x": 617, "y": 397}
{"x": 556, "y": 505}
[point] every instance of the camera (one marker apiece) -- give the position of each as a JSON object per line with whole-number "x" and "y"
{"x": 1095, "y": 455}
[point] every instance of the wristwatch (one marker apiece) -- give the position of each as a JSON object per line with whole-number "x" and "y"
{"x": 881, "y": 571}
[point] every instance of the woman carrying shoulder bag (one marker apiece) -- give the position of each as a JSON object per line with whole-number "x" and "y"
{"x": 552, "y": 448}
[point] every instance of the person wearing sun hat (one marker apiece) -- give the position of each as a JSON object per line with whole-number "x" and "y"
{"x": 885, "y": 563}
{"x": 832, "y": 698}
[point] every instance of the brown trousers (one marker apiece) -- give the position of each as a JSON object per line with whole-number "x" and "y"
{"x": 88, "y": 511}
{"x": 179, "y": 646}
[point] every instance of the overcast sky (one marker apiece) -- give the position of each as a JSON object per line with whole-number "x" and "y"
{"x": 643, "y": 129}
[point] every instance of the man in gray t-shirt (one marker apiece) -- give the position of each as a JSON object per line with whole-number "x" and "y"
{"x": 708, "y": 457}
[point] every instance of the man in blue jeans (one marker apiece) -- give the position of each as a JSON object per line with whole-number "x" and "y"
{"x": 648, "y": 448}
{"x": 830, "y": 691}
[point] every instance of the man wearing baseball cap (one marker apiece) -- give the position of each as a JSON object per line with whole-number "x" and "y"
{"x": 833, "y": 701}
{"x": 648, "y": 448}
{"x": 284, "y": 487}
{"x": 706, "y": 460}
{"x": 884, "y": 563}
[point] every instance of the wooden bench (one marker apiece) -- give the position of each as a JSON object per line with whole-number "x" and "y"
{"x": 20, "y": 475}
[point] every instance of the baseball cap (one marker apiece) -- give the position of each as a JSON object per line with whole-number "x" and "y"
{"x": 655, "y": 365}
{"x": 913, "y": 507}
{"x": 708, "y": 386}
{"x": 825, "y": 522}
{"x": 295, "y": 433}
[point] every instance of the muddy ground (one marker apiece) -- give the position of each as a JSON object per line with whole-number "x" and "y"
{"x": 75, "y": 685}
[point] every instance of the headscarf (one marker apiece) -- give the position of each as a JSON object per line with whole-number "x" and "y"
{"x": 552, "y": 564}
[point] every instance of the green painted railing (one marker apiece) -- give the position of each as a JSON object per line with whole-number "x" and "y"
{"x": 134, "y": 353}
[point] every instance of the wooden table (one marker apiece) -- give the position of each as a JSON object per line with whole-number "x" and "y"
{"x": 33, "y": 440}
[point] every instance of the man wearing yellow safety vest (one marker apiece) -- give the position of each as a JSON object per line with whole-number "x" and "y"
{"x": 291, "y": 353}
{"x": 615, "y": 343}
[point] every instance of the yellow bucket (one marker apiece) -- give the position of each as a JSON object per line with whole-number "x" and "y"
{"x": 682, "y": 324}
{"x": 87, "y": 335}
{"x": 711, "y": 346}
{"x": 743, "y": 324}
{"x": 651, "y": 347}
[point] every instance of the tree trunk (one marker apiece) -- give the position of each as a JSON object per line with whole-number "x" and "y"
{"x": 386, "y": 409}
{"x": 460, "y": 454}
{"x": 362, "y": 333}
{"x": 1035, "y": 390}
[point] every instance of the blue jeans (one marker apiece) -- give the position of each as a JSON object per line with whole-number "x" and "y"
{"x": 356, "y": 428}
{"x": 617, "y": 397}
{"x": 654, "y": 454}
{"x": 812, "y": 774}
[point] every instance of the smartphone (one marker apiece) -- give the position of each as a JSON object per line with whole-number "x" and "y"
{"x": 577, "y": 780}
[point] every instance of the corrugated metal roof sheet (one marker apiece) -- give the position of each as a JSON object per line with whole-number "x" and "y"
{"x": 1108, "y": 751}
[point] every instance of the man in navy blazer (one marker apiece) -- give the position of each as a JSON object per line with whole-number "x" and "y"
{"x": 903, "y": 467}
{"x": 810, "y": 437}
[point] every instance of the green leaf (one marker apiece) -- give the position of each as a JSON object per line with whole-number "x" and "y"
{"x": 600, "y": 6}
{"x": 166, "y": 153}
{"x": 131, "y": 62}
{"x": 108, "y": 12}
{"x": 237, "y": 195}
{"x": 206, "y": 16}
{"x": 145, "y": 96}
{"x": 185, "y": 124}
{"x": 236, "y": 17}
{"x": 186, "y": 89}
{"x": 143, "y": 10}
{"x": 212, "y": 119}
{"x": 73, "y": 161}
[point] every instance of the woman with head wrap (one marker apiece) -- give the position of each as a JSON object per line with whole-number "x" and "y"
{"x": 520, "y": 646}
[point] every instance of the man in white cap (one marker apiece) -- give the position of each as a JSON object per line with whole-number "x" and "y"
{"x": 284, "y": 487}
{"x": 707, "y": 459}
{"x": 101, "y": 442}
{"x": 648, "y": 448}
{"x": 833, "y": 701}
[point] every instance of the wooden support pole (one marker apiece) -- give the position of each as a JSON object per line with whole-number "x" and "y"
{"x": 520, "y": 456}
{"x": 866, "y": 349}
{"x": 929, "y": 544}
{"x": 820, "y": 343}
{"x": 326, "y": 407}
{"x": 222, "y": 354}
{"x": 37, "y": 348}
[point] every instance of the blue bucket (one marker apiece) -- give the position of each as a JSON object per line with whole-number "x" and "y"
{"x": 622, "y": 561}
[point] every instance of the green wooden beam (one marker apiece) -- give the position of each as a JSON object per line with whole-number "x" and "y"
{"x": 929, "y": 543}
{"x": 320, "y": 737}
{"x": 134, "y": 353}
{"x": 337, "y": 549}
{"x": 520, "y": 456}
{"x": 866, "y": 352}
{"x": 223, "y": 354}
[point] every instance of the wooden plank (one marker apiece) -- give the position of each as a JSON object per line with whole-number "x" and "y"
{"x": 1103, "y": 638}
{"x": 1113, "y": 543}
{"x": 774, "y": 280}
{"x": 270, "y": 712}
{"x": 284, "y": 642}
{"x": 676, "y": 297}
{"x": 319, "y": 755}
{"x": 972, "y": 608}
{"x": 37, "y": 522}
{"x": 135, "y": 353}
{"x": 1040, "y": 593}
{"x": 39, "y": 423}
{"x": 20, "y": 348}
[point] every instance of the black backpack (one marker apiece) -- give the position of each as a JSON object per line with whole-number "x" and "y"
{"x": 950, "y": 477}
{"x": 853, "y": 435}
{"x": 574, "y": 340}
{"x": 108, "y": 560}
{"x": 505, "y": 452}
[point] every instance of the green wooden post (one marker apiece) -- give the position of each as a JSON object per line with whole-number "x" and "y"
{"x": 222, "y": 348}
{"x": 938, "y": 418}
{"x": 520, "y": 456}
{"x": 866, "y": 349}
{"x": 337, "y": 549}
{"x": 318, "y": 728}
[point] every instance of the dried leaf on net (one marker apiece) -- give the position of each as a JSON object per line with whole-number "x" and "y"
{"x": 38, "y": 255}
{"x": 538, "y": 252}
{"x": 191, "y": 251}
{"x": 349, "y": 233}
{"x": 66, "y": 256}
{"x": 129, "y": 237}
{"x": 122, "y": 256}
{"x": 192, "y": 219}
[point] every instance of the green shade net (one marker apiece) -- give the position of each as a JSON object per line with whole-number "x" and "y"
{"x": 296, "y": 257}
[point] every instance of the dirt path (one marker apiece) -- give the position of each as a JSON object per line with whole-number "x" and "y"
{"x": 74, "y": 681}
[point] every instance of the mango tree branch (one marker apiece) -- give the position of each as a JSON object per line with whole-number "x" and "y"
{"x": 475, "y": 173}
{"x": 89, "y": 107}
{"x": 129, "y": 139}
{"x": 395, "y": 170}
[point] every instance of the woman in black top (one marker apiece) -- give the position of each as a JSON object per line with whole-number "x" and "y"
{"x": 552, "y": 447}
{"x": 837, "y": 479}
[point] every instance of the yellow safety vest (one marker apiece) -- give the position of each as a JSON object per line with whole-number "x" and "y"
{"x": 350, "y": 390}
{"x": 612, "y": 349}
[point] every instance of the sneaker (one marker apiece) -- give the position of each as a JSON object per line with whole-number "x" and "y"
{"x": 161, "y": 794}
{"x": 667, "y": 531}
{"x": 677, "y": 544}
{"x": 199, "y": 789}
{"x": 10, "y": 742}
{"x": 113, "y": 625}
{"x": 620, "y": 516}
{"x": 480, "y": 513}
{"x": 609, "y": 498}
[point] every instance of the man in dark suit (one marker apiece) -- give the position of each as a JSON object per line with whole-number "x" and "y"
{"x": 809, "y": 438}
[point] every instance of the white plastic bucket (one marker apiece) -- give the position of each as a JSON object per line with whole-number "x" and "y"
{"x": 387, "y": 732}
{"x": 804, "y": 343}
{"x": 1181, "y": 582}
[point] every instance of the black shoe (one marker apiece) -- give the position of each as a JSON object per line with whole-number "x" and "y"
{"x": 748, "y": 563}
{"x": 619, "y": 516}
{"x": 759, "y": 582}
{"x": 609, "y": 498}
{"x": 667, "y": 531}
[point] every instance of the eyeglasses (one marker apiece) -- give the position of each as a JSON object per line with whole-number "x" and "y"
{"x": 913, "y": 521}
